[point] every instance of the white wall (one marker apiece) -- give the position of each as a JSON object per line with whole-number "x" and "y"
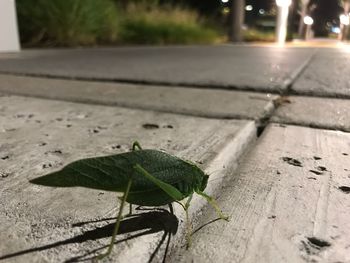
{"x": 8, "y": 26}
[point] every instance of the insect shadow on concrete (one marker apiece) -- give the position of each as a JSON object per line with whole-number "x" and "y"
{"x": 159, "y": 220}
{"x": 145, "y": 177}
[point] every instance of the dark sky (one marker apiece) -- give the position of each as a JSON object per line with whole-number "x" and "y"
{"x": 325, "y": 9}
{"x": 265, "y": 4}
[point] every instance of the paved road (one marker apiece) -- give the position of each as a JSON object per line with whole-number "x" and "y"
{"x": 278, "y": 163}
{"x": 243, "y": 67}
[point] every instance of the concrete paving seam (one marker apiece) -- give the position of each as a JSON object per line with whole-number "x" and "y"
{"x": 288, "y": 82}
{"x": 226, "y": 159}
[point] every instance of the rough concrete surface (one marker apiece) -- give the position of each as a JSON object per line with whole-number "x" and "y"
{"x": 314, "y": 112}
{"x": 288, "y": 201}
{"x": 326, "y": 75}
{"x": 244, "y": 67}
{"x": 190, "y": 101}
{"x": 43, "y": 224}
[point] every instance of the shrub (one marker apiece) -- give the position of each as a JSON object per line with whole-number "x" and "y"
{"x": 151, "y": 24}
{"x": 258, "y": 35}
{"x": 67, "y": 22}
{"x": 91, "y": 22}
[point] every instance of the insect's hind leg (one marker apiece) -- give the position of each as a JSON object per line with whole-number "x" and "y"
{"x": 117, "y": 224}
{"x": 213, "y": 203}
{"x": 171, "y": 208}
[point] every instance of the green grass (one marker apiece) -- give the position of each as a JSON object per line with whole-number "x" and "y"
{"x": 67, "y": 22}
{"x": 254, "y": 35}
{"x": 140, "y": 31}
{"x": 164, "y": 25}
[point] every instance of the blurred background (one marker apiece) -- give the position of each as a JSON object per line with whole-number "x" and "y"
{"x": 119, "y": 22}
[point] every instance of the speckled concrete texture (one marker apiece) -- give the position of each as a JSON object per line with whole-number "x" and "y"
{"x": 288, "y": 202}
{"x": 43, "y": 224}
{"x": 188, "y": 101}
{"x": 326, "y": 113}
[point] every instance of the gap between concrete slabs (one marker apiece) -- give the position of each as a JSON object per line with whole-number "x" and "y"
{"x": 38, "y": 136}
{"x": 322, "y": 113}
{"x": 327, "y": 75}
{"x": 189, "y": 101}
{"x": 288, "y": 82}
{"x": 288, "y": 199}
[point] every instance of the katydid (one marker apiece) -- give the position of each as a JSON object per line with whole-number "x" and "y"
{"x": 146, "y": 177}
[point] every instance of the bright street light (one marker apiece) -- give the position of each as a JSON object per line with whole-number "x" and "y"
{"x": 308, "y": 20}
{"x": 283, "y": 3}
{"x": 344, "y": 19}
{"x": 282, "y": 20}
{"x": 248, "y": 7}
{"x": 224, "y": 1}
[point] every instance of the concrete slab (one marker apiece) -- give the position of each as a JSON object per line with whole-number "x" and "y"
{"x": 327, "y": 74}
{"x": 42, "y": 224}
{"x": 189, "y": 101}
{"x": 314, "y": 112}
{"x": 288, "y": 200}
{"x": 231, "y": 66}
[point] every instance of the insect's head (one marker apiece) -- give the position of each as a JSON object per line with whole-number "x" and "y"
{"x": 202, "y": 178}
{"x": 204, "y": 182}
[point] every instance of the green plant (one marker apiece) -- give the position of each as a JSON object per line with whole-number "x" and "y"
{"x": 251, "y": 35}
{"x": 146, "y": 177}
{"x": 67, "y": 22}
{"x": 152, "y": 24}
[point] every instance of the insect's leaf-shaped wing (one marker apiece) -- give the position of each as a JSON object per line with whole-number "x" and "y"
{"x": 108, "y": 173}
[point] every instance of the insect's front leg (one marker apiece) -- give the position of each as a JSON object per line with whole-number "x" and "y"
{"x": 174, "y": 193}
{"x": 188, "y": 222}
{"x": 213, "y": 203}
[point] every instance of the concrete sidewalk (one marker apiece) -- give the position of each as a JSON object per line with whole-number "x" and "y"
{"x": 273, "y": 140}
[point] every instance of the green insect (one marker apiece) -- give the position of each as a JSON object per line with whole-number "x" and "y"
{"x": 146, "y": 177}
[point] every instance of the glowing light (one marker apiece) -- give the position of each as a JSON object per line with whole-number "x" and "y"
{"x": 344, "y": 19}
{"x": 226, "y": 10}
{"x": 224, "y": 1}
{"x": 261, "y": 11}
{"x": 308, "y": 20}
{"x": 248, "y": 8}
{"x": 283, "y": 3}
{"x": 282, "y": 20}
{"x": 336, "y": 30}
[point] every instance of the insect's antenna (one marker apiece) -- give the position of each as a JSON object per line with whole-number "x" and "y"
{"x": 214, "y": 172}
{"x": 218, "y": 178}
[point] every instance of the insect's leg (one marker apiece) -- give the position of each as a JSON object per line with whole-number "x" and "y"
{"x": 189, "y": 199}
{"x": 117, "y": 224}
{"x": 136, "y": 145}
{"x": 188, "y": 222}
{"x": 213, "y": 203}
{"x": 171, "y": 209}
{"x": 167, "y": 188}
{"x": 130, "y": 209}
